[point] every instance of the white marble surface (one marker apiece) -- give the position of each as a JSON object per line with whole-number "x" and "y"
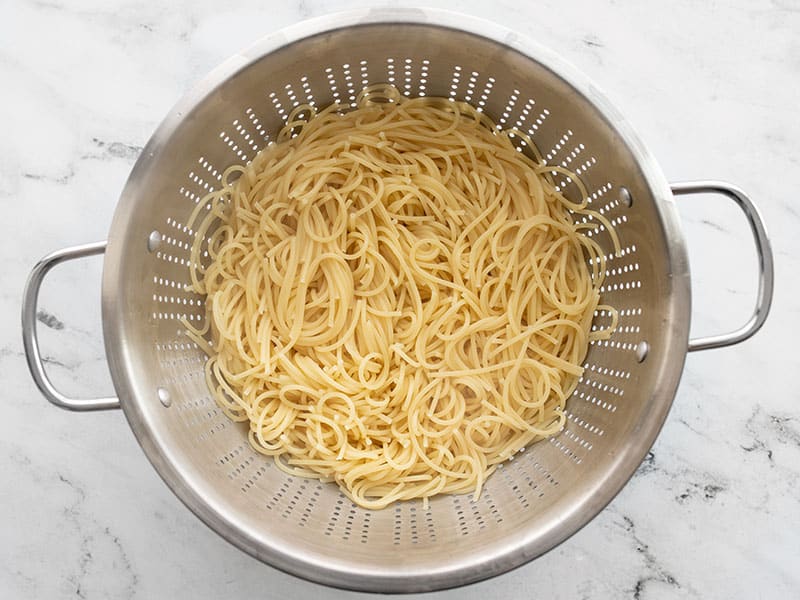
{"x": 712, "y": 87}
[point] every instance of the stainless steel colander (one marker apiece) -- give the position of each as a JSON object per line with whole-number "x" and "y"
{"x": 308, "y": 528}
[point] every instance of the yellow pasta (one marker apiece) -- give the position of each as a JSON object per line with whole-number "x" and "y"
{"x": 397, "y": 298}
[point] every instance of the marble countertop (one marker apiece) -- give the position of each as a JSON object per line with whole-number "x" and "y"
{"x": 713, "y": 89}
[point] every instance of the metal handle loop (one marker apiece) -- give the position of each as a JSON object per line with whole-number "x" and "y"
{"x": 30, "y": 338}
{"x": 766, "y": 267}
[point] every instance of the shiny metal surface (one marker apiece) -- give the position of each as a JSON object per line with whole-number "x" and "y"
{"x": 309, "y": 529}
{"x": 766, "y": 268}
{"x": 533, "y": 502}
{"x": 30, "y": 340}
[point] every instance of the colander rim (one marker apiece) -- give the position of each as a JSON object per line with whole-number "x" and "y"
{"x": 522, "y": 548}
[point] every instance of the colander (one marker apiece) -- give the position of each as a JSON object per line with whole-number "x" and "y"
{"x": 308, "y": 528}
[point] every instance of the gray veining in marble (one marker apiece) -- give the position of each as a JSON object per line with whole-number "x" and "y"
{"x": 713, "y": 88}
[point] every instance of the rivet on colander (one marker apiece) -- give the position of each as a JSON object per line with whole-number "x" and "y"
{"x": 164, "y": 397}
{"x": 642, "y": 348}
{"x": 625, "y": 198}
{"x": 153, "y": 241}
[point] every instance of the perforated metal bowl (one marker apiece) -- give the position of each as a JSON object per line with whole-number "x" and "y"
{"x": 308, "y": 528}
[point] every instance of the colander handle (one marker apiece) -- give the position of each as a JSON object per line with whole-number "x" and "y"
{"x": 766, "y": 269}
{"x": 30, "y": 339}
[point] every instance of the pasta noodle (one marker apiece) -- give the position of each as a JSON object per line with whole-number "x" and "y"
{"x": 398, "y": 298}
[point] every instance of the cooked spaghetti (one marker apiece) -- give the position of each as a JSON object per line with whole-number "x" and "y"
{"x": 399, "y": 295}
